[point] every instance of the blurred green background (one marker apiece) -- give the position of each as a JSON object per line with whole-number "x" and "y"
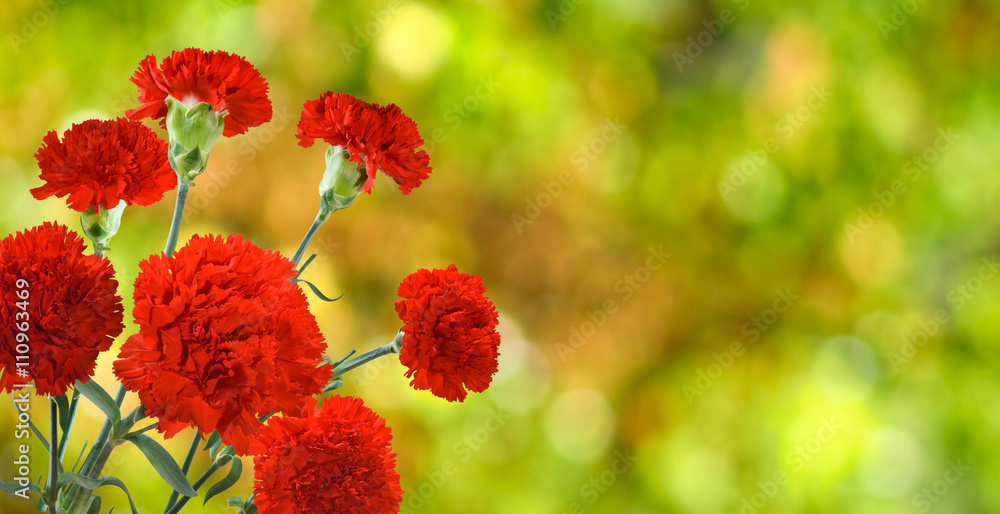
{"x": 742, "y": 250}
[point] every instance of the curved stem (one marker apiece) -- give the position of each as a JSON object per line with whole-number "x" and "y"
{"x": 185, "y": 468}
{"x": 305, "y": 240}
{"x": 175, "y": 223}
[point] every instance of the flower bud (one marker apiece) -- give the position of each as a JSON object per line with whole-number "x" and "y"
{"x": 342, "y": 182}
{"x": 192, "y": 132}
{"x": 100, "y": 227}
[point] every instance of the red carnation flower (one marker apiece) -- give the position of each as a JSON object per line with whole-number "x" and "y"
{"x": 336, "y": 458}
{"x": 72, "y": 311}
{"x": 226, "y": 81}
{"x": 224, "y": 337}
{"x": 378, "y": 137}
{"x": 102, "y": 162}
{"x": 450, "y": 341}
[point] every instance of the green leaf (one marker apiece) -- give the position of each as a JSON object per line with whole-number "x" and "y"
{"x": 95, "y": 505}
{"x": 222, "y": 458}
{"x": 333, "y": 385}
{"x": 101, "y": 398}
{"x": 63, "y": 402}
{"x": 303, "y": 267}
{"x": 122, "y": 427}
{"x": 214, "y": 441}
{"x": 339, "y": 361}
{"x": 235, "y": 501}
{"x": 12, "y": 487}
{"x": 317, "y": 292}
{"x": 93, "y": 483}
{"x": 164, "y": 464}
{"x": 34, "y": 429}
{"x": 235, "y": 471}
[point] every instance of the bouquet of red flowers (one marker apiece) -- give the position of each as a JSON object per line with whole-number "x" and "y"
{"x": 226, "y": 341}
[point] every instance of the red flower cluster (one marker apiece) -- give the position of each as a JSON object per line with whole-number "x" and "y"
{"x": 337, "y": 458}
{"x": 450, "y": 341}
{"x": 73, "y": 311}
{"x": 101, "y": 162}
{"x": 224, "y": 337}
{"x": 226, "y": 81}
{"x": 378, "y": 137}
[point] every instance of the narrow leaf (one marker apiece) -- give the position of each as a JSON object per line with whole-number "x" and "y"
{"x": 164, "y": 464}
{"x": 235, "y": 501}
{"x": 235, "y": 471}
{"x": 12, "y": 487}
{"x": 63, "y": 403}
{"x": 317, "y": 292}
{"x": 95, "y": 505}
{"x": 214, "y": 441}
{"x": 96, "y": 394}
{"x": 93, "y": 483}
{"x": 333, "y": 385}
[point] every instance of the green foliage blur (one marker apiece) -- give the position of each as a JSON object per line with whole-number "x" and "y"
{"x": 744, "y": 251}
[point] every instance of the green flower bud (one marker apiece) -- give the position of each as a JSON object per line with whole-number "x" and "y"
{"x": 192, "y": 132}
{"x": 101, "y": 227}
{"x": 342, "y": 182}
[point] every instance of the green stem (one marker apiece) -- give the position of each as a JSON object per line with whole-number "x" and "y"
{"x": 175, "y": 224}
{"x": 71, "y": 416}
{"x": 185, "y": 468}
{"x": 52, "y": 491}
{"x": 200, "y": 482}
{"x": 96, "y": 459}
{"x": 368, "y": 356}
{"x": 305, "y": 240}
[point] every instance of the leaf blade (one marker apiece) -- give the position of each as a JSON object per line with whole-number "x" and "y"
{"x": 164, "y": 464}
{"x": 99, "y": 397}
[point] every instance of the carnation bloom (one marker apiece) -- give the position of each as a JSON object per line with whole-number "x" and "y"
{"x": 72, "y": 311}
{"x": 225, "y": 81}
{"x": 224, "y": 337}
{"x": 377, "y": 137}
{"x": 336, "y": 458}
{"x": 450, "y": 341}
{"x": 99, "y": 163}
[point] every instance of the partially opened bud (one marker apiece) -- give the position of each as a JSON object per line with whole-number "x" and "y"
{"x": 199, "y": 96}
{"x": 192, "y": 131}
{"x": 100, "y": 227}
{"x": 342, "y": 182}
